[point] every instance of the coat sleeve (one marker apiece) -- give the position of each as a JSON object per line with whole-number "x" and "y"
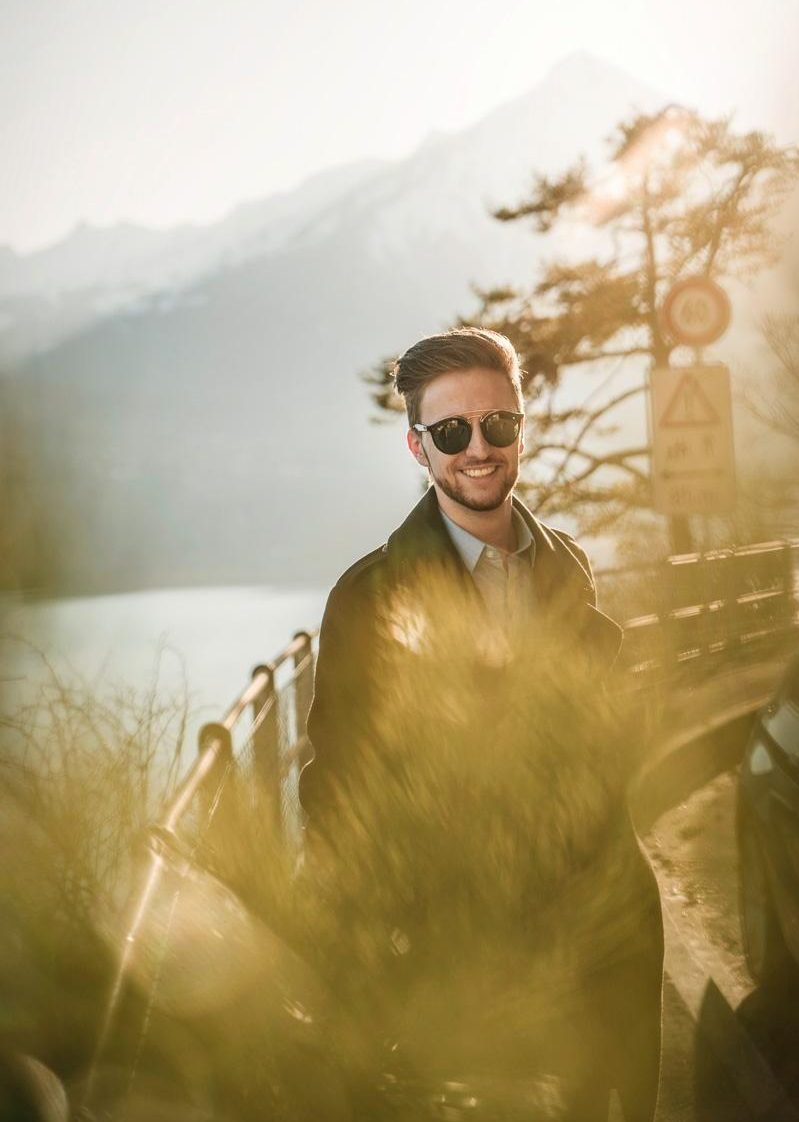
{"x": 339, "y": 706}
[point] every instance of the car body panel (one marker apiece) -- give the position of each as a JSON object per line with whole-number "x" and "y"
{"x": 769, "y": 798}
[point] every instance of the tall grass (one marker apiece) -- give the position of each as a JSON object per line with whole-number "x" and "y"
{"x": 473, "y": 880}
{"x": 473, "y": 873}
{"x": 82, "y": 770}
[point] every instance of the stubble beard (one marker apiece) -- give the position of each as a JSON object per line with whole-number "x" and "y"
{"x": 453, "y": 491}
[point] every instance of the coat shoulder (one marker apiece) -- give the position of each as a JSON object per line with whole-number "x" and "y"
{"x": 364, "y": 574}
{"x": 577, "y": 552}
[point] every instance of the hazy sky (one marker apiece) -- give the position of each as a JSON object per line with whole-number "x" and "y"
{"x": 162, "y": 111}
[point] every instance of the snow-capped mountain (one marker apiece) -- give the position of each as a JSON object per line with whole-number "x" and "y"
{"x": 199, "y": 417}
{"x": 53, "y": 293}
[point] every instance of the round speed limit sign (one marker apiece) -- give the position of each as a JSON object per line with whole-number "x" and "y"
{"x": 696, "y": 312}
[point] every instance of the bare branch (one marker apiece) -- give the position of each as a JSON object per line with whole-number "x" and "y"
{"x": 591, "y": 420}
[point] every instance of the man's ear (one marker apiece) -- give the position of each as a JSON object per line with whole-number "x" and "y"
{"x": 521, "y": 438}
{"x": 414, "y": 440}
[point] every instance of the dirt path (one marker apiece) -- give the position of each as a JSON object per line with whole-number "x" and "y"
{"x": 693, "y": 851}
{"x": 694, "y": 855}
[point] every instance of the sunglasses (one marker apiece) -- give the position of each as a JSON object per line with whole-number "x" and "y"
{"x": 452, "y": 435}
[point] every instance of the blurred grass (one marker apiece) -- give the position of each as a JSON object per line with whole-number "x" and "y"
{"x": 82, "y": 770}
{"x": 475, "y": 869}
{"x": 474, "y": 872}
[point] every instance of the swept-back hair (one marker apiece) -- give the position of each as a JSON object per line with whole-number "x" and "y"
{"x": 460, "y": 349}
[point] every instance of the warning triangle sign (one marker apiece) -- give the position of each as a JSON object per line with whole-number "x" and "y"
{"x": 689, "y": 405}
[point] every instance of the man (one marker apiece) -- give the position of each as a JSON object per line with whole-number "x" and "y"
{"x": 462, "y": 391}
{"x": 463, "y": 396}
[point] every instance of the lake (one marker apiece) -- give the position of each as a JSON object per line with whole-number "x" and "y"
{"x": 212, "y": 637}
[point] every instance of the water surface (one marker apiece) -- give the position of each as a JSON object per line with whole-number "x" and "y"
{"x": 209, "y": 637}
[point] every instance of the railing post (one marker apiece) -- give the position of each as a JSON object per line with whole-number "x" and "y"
{"x": 789, "y": 585}
{"x": 215, "y": 797}
{"x": 717, "y": 594}
{"x": 740, "y": 588}
{"x": 303, "y": 690}
{"x": 684, "y": 610}
{"x": 266, "y": 743}
{"x": 728, "y": 609}
{"x": 666, "y": 636}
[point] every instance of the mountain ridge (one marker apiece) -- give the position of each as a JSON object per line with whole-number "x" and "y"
{"x": 216, "y": 431}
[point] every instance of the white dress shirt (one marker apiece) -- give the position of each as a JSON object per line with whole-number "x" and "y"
{"x": 504, "y": 580}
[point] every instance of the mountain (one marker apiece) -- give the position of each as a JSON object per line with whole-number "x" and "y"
{"x": 204, "y": 422}
{"x": 96, "y": 271}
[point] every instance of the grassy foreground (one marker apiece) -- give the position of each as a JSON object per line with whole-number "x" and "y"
{"x": 472, "y": 876}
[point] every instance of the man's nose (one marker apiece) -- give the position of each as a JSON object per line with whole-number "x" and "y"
{"x": 478, "y": 445}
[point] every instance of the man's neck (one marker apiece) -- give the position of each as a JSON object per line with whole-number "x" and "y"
{"x": 494, "y": 527}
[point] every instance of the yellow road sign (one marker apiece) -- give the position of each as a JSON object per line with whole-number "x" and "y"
{"x": 693, "y": 458}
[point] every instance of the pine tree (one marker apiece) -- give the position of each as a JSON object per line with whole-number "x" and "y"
{"x": 679, "y": 196}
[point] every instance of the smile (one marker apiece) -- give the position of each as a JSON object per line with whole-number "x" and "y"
{"x": 478, "y": 473}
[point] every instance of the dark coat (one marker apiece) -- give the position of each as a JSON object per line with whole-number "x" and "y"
{"x": 623, "y": 999}
{"x": 564, "y": 589}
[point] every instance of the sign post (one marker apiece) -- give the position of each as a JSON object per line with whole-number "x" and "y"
{"x": 693, "y": 462}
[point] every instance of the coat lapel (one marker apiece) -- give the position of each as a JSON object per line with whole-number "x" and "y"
{"x": 565, "y": 587}
{"x": 563, "y": 584}
{"x": 421, "y": 540}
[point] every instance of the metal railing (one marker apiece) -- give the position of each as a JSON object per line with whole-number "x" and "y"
{"x": 274, "y": 748}
{"x": 688, "y": 607}
{"x": 704, "y": 606}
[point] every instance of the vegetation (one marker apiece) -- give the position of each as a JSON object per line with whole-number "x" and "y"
{"x": 81, "y": 773}
{"x": 217, "y": 958}
{"x": 782, "y": 335}
{"x": 679, "y": 196}
{"x": 770, "y": 493}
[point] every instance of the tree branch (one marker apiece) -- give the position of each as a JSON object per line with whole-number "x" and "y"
{"x": 591, "y": 420}
{"x": 660, "y": 351}
{"x": 597, "y": 356}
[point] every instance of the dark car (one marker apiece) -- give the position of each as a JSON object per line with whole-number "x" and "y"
{"x": 768, "y": 836}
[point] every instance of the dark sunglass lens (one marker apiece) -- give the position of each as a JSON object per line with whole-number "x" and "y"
{"x": 452, "y": 435}
{"x": 500, "y": 429}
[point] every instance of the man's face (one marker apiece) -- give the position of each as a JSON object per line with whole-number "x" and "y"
{"x": 481, "y": 476}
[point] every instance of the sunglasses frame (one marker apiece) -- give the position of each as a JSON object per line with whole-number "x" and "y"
{"x": 481, "y": 418}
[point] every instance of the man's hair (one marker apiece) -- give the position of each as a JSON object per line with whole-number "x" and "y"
{"x": 459, "y": 349}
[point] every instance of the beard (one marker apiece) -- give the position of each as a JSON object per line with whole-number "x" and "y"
{"x": 502, "y": 484}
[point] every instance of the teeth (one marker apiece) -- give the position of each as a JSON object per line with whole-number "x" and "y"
{"x": 478, "y": 472}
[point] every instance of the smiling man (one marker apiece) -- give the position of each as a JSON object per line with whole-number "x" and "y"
{"x": 532, "y": 585}
{"x": 463, "y": 396}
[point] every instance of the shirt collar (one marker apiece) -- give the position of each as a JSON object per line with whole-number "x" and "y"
{"x": 471, "y": 548}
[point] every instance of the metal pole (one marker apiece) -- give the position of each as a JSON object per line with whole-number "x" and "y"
{"x": 680, "y": 537}
{"x": 266, "y": 742}
{"x": 303, "y": 691}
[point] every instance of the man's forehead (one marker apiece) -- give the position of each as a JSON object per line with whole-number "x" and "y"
{"x": 476, "y": 390}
